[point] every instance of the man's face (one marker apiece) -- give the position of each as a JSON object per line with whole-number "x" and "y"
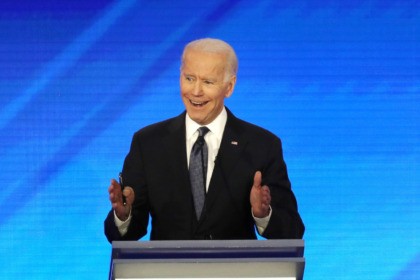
{"x": 203, "y": 85}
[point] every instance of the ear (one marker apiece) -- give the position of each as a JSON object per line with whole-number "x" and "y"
{"x": 231, "y": 86}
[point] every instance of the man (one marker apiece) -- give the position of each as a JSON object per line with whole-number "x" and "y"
{"x": 244, "y": 180}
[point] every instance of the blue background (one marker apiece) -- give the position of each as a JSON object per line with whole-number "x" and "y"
{"x": 338, "y": 81}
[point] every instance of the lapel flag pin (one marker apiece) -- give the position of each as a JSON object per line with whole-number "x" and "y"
{"x": 234, "y": 143}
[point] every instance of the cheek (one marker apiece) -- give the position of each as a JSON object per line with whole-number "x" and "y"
{"x": 220, "y": 97}
{"x": 182, "y": 86}
{"x": 185, "y": 88}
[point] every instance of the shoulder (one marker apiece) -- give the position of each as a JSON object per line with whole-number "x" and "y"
{"x": 250, "y": 130}
{"x": 162, "y": 128}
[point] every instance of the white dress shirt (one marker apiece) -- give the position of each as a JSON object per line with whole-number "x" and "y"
{"x": 213, "y": 139}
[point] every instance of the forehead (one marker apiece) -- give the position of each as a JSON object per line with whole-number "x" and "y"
{"x": 200, "y": 62}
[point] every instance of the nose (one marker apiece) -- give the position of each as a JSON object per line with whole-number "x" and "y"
{"x": 198, "y": 89}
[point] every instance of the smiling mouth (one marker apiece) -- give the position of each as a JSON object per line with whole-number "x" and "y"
{"x": 198, "y": 104}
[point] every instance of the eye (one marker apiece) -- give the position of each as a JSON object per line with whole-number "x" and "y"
{"x": 208, "y": 82}
{"x": 189, "y": 78}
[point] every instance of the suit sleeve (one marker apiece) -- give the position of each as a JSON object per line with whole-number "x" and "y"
{"x": 134, "y": 177}
{"x": 285, "y": 221}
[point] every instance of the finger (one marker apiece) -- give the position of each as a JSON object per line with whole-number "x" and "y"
{"x": 115, "y": 197}
{"x": 112, "y": 195}
{"x": 116, "y": 188}
{"x": 268, "y": 200}
{"x": 266, "y": 196}
{"x": 115, "y": 205}
{"x": 114, "y": 183}
{"x": 266, "y": 188}
{"x": 113, "y": 187}
{"x": 257, "y": 179}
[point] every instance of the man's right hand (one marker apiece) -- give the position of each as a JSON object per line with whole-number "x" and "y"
{"x": 115, "y": 197}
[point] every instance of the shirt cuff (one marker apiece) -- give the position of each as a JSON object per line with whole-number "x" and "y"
{"x": 122, "y": 225}
{"x": 262, "y": 223}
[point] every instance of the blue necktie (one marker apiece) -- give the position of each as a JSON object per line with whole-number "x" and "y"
{"x": 198, "y": 170}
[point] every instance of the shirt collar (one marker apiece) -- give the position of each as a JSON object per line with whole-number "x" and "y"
{"x": 217, "y": 126}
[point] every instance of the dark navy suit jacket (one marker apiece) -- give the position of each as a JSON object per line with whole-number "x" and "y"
{"x": 156, "y": 167}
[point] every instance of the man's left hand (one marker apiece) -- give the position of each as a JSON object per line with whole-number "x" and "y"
{"x": 260, "y": 197}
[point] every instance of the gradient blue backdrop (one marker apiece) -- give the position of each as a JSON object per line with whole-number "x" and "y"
{"x": 338, "y": 81}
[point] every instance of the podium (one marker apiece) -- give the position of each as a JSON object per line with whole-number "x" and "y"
{"x": 209, "y": 259}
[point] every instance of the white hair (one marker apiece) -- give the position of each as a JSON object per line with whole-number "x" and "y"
{"x": 215, "y": 46}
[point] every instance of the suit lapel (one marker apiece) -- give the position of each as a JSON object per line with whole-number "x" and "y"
{"x": 174, "y": 143}
{"x": 231, "y": 147}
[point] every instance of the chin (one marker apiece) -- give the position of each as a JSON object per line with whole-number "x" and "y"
{"x": 199, "y": 119}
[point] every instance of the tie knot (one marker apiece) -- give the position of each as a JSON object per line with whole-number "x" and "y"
{"x": 202, "y": 131}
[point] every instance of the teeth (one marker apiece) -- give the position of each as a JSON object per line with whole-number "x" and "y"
{"x": 197, "y": 103}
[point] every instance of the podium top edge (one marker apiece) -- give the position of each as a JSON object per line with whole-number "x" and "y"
{"x": 273, "y": 243}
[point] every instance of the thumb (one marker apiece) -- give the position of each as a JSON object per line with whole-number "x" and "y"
{"x": 128, "y": 192}
{"x": 257, "y": 179}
